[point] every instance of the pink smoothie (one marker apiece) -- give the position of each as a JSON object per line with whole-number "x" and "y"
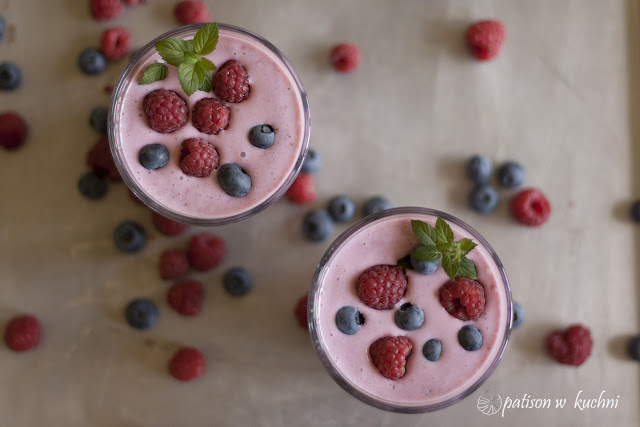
{"x": 425, "y": 383}
{"x": 275, "y": 98}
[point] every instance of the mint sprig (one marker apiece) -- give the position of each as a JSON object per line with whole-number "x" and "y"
{"x": 153, "y": 73}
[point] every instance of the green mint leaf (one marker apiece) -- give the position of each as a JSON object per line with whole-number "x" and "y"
{"x": 444, "y": 236}
{"x": 451, "y": 265}
{"x": 422, "y": 232}
{"x": 465, "y": 246}
{"x": 172, "y": 50}
{"x": 427, "y": 253}
{"x": 206, "y": 39}
{"x": 207, "y": 84}
{"x": 405, "y": 262}
{"x": 467, "y": 269}
{"x": 153, "y": 73}
{"x": 208, "y": 64}
{"x": 191, "y": 58}
{"x": 189, "y": 78}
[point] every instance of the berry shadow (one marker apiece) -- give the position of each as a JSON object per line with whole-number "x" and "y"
{"x": 448, "y": 36}
{"x": 534, "y": 342}
{"x": 621, "y": 211}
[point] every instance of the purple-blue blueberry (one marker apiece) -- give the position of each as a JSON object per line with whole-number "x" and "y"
{"x": 432, "y": 349}
{"x": 342, "y": 208}
{"x": 423, "y": 267}
{"x": 92, "y": 186}
{"x": 483, "y": 199}
{"x": 98, "y": 119}
{"x": 349, "y": 320}
{"x": 312, "y": 162}
{"x": 511, "y": 175}
{"x": 141, "y": 313}
{"x": 470, "y": 338}
{"x": 91, "y": 61}
{"x": 375, "y": 204}
{"x": 479, "y": 169}
{"x": 10, "y": 76}
{"x": 409, "y": 317}
{"x": 317, "y": 225}
{"x": 237, "y": 281}
{"x": 234, "y": 180}
{"x": 129, "y": 237}
{"x": 153, "y": 156}
{"x": 262, "y": 136}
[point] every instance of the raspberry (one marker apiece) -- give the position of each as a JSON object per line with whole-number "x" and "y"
{"x": 187, "y": 364}
{"x": 185, "y": 297}
{"x": 198, "y": 157}
{"x": 115, "y": 43}
{"x": 166, "y": 110}
{"x": 206, "y": 251}
{"x": 390, "y": 355}
{"x": 23, "y": 333}
{"x": 13, "y": 130}
{"x": 210, "y": 116}
{"x": 571, "y": 346}
{"x": 345, "y": 57}
{"x": 104, "y": 10}
{"x": 191, "y": 12}
{"x": 167, "y": 226}
{"x": 303, "y": 189}
{"x": 231, "y": 82}
{"x": 100, "y": 160}
{"x": 463, "y": 298}
{"x": 300, "y": 311}
{"x": 530, "y": 207}
{"x": 382, "y": 286}
{"x": 485, "y": 39}
{"x": 173, "y": 264}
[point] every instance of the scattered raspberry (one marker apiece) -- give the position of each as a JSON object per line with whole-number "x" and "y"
{"x": 100, "y": 160}
{"x": 530, "y": 207}
{"x": 166, "y": 110}
{"x": 23, "y": 333}
{"x": 300, "y": 311}
{"x": 382, "y": 286}
{"x": 210, "y": 116}
{"x": 115, "y": 43}
{"x": 463, "y": 298}
{"x": 303, "y": 189}
{"x": 13, "y": 130}
{"x": 206, "y": 251}
{"x": 485, "y": 39}
{"x": 173, "y": 264}
{"x": 167, "y": 226}
{"x": 390, "y": 355}
{"x": 571, "y": 346}
{"x": 231, "y": 82}
{"x": 187, "y": 364}
{"x": 104, "y": 10}
{"x": 191, "y": 12}
{"x": 198, "y": 157}
{"x": 185, "y": 297}
{"x": 345, "y": 57}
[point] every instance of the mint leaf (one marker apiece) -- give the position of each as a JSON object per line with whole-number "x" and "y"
{"x": 153, "y": 73}
{"x": 207, "y": 64}
{"x": 189, "y": 79}
{"x": 191, "y": 58}
{"x": 427, "y": 253}
{"x": 172, "y": 50}
{"x": 451, "y": 264}
{"x": 422, "y": 232}
{"x": 443, "y": 231}
{"x": 207, "y": 84}
{"x": 206, "y": 39}
{"x": 405, "y": 262}
{"x": 465, "y": 245}
{"x": 467, "y": 269}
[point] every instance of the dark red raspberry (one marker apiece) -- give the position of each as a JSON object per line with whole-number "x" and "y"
{"x": 303, "y": 189}
{"x": 104, "y": 10}
{"x": 13, "y": 130}
{"x": 345, "y": 57}
{"x": 115, "y": 43}
{"x": 185, "y": 297}
{"x": 571, "y": 346}
{"x": 206, "y": 251}
{"x": 210, "y": 116}
{"x": 100, "y": 160}
{"x": 300, "y": 311}
{"x": 191, "y": 12}
{"x": 463, "y": 298}
{"x": 382, "y": 286}
{"x": 167, "y": 226}
{"x": 198, "y": 157}
{"x": 173, "y": 264}
{"x": 187, "y": 364}
{"x": 23, "y": 333}
{"x": 231, "y": 82}
{"x": 166, "y": 110}
{"x": 530, "y": 207}
{"x": 485, "y": 39}
{"x": 390, "y": 355}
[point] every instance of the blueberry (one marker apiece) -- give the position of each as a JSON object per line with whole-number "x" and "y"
{"x": 98, "y": 119}
{"x": 341, "y": 208}
{"x": 375, "y": 204}
{"x": 511, "y": 174}
{"x": 92, "y": 186}
{"x": 479, "y": 169}
{"x": 470, "y": 338}
{"x": 262, "y": 136}
{"x": 635, "y": 211}
{"x": 312, "y": 162}
{"x": 633, "y": 347}
{"x": 518, "y": 315}
{"x": 153, "y": 156}
{"x": 10, "y": 76}
{"x": 237, "y": 281}
{"x": 483, "y": 199}
{"x": 317, "y": 225}
{"x": 409, "y": 317}
{"x": 141, "y": 313}
{"x": 423, "y": 267}
{"x": 91, "y": 61}
{"x": 129, "y": 237}
{"x": 432, "y": 349}
{"x": 2, "y": 26}
{"x": 349, "y": 320}
{"x": 234, "y": 180}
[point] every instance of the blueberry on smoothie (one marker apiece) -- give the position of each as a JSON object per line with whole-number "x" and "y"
{"x": 98, "y": 119}
{"x": 317, "y": 225}
{"x": 423, "y": 267}
{"x": 483, "y": 199}
{"x": 479, "y": 169}
{"x": 470, "y": 338}
{"x": 341, "y": 208}
{"x": 511, "y": 175}
{"x": 92, "y": 186}
{"x": 312, "y": 162}
{"x": 153, "y": 156}
{"x": 10, "y": 76}
{"x": 234, "y": 180}
{"x": 262, "y": 136}
{"x": 432, "y": 349}
{"x": 129, "y": 237}
{"x": 409, "y": 317}
{"x": 237, "y": 281}
{"x": 375, "y": 204}
{"x": 349, "y": 320}
{"x": 141, "y": 313}
{"x": 91, "y": 61}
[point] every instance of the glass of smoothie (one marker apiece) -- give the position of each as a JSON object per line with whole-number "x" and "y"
{"x": 273, "y": 113}
{"x": 421, "y": 346}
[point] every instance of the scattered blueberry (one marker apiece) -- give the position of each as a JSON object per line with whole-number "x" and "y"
{"x": 511, "y": 174}
{"x": 635, "y": 211}
{"x": 2, "y": 27}
{"x": 341, "y": 208}
{"x": 92, "y": 186}
{"x": 312, "y": 162}
{"x": 375, "y": 204}
{"x": 262, "y": 136}
{"x": 317, "y": 225}
{"x": 234, "y": 180}
{"x": 349, "y": 320}
{"x": 141, "y": 313}
{"x": 634, "y": 347}
{"x": 518, "y": 315}
{"x": 479, "y": 169}
{"x": 153, "y": 156}
{"x": 470, "y": 338}
{"x": 98, "y": 119}
{"x": 423, "y": 267}
{"x": 91, "y": 61}
{"x": 10, "y": 76}
{"x": 432, "y": 349}
{"x": 129, "y": 237}
{"x": 237, "y": 281}
{"x": 409, "y": 317}
{"x": 483, "y": 199}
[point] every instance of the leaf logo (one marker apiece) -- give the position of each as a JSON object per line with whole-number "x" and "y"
{"x": 489, "y": 402}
